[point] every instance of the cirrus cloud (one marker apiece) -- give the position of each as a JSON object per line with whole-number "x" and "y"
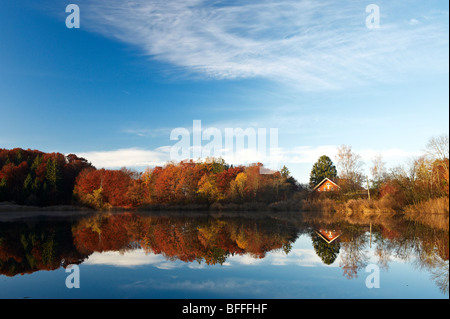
{"x": 310, "y": 45}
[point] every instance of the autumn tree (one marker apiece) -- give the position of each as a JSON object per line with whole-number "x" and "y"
{"x": 238, "y": 187}
{"x": 224, "y": 178}
{"x": 207, "y": 189}
{"x": 190, "y": 175}
{"x": 104, "y": 188}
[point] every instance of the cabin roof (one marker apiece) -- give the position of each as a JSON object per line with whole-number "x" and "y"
{"x": 325, "y": 180}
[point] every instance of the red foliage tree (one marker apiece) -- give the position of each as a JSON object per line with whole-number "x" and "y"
{"x": 113, "y": 186}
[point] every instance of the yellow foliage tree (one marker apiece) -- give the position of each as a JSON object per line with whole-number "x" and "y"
{"x": 207, "y": 189}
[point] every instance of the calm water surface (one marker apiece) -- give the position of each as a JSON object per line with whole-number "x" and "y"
{"x": 223, "y": 255}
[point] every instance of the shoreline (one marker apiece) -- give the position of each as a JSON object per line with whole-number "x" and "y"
{"x": 439, "y": 205}
{"x": 12, "y": 207}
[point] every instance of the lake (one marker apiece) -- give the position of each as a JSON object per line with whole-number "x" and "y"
{"x": 161, "y": 255}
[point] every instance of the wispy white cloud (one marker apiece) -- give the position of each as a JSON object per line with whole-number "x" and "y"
{"x": 413, "y": 21}
{"x": 311, "y": 45}
{"x": 128, "y": 157}
{"x": 145, "y": 132}
{"x": 274, "y": 158}
{"x": 310, "y": 154}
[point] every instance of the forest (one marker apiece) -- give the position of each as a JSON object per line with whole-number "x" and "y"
{"x": 31, "y": 177}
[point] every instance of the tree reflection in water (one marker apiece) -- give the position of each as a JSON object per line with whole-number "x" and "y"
{"x": 41, "y": 243}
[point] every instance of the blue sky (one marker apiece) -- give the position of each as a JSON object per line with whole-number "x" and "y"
{"x": 113, "y": 89}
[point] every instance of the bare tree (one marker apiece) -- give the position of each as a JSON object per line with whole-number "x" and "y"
{"x": 378, "y": 170}
{"x": 437, "y": 151}
{"x": 438, "y": 147}
{"x": 349, "y": 168}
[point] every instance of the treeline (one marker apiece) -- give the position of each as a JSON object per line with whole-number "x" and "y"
{"x": 188, "y": 182}
{"x": 423, "y": 179}
{"x": 31, "y": 177}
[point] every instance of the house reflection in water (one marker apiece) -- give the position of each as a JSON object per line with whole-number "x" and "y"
{"x": 326, "y": 245}
{"x": 329, "y": 235}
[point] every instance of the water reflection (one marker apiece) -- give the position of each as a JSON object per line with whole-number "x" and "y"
{"x": 34, "y": 244}
{"x": 329, "y": 235}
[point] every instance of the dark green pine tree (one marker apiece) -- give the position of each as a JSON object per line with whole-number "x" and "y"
{"x": 27, "y": 186}
{"x": 37, "y": 161}
{"x": 53, "y": 179}
{"x": 19, "y": 157}
{"x": 323, "y": 168}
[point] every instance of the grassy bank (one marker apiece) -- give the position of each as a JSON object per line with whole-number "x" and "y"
{"x": 386, "y": 204}
{"x": 432, "y": 206}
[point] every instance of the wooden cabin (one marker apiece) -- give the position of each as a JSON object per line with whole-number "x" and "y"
{"x": 326, "y": 185}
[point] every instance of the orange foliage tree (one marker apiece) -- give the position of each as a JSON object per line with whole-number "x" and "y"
{"x": 103, "y": 188}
